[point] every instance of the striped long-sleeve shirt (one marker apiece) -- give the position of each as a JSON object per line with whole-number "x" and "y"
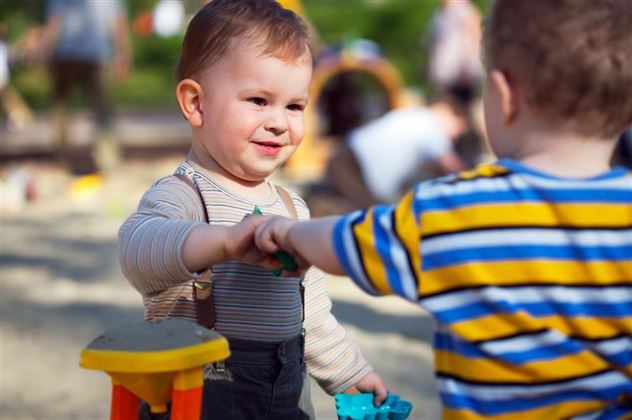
{"x": 529, "y": 278}
{"x": 250, "y": 303}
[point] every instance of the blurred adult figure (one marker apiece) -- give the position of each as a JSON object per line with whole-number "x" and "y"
{"x": 455, "y": 37}
{"x": 84, "y": 37}
{"x": 18, "y": 113}
{"x": 351, "y": 98}
{"x": 378, "y": 161}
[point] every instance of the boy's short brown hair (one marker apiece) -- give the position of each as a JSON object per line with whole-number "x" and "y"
{"x": 572, "y": 59}
{"x": 280, "y": 32}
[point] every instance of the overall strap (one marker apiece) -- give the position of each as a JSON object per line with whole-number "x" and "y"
{"x": 202, "y": 287}
{"x": 287, "y": 200}
{"x": 289, "y": 204}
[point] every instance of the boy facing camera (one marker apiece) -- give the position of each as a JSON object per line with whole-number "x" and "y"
{"x": 243, "y": 78}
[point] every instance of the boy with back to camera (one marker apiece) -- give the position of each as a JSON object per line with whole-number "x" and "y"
{"x": 525, "y": 263}
{"x": 243, "y": 78}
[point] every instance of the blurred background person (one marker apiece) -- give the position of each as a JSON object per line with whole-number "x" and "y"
{"x": 378, "y": 161}
{"x": 83, "y": 37}
{"x": 454, "y": 62}
{"x": 343, "y": 107}
{"x": 351, "y": 98}
{"x": 455, "y": 65}
{"x": 16, "y": 110}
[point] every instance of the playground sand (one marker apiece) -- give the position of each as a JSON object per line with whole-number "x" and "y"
{"x": 61, "y": 287}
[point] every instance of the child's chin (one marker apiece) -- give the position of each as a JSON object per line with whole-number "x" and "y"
{"x": 264, "y": 171}
{"x": 257, "y": 176}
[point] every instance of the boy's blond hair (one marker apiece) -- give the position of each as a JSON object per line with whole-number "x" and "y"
{"x": 571, "y": 59}
{"x": 264, "y": 23}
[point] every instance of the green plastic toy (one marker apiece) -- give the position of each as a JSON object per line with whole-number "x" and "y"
{"x": 288, "y": 263}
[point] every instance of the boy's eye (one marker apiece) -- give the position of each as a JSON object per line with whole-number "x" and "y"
{"x": 257, "y": 101}
{"x": 296, "y": 107}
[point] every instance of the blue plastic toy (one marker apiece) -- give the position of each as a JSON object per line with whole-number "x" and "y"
{"x": 360, "y": 407}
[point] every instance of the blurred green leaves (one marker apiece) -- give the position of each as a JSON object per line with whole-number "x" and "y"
{"x": 399, "y": 27}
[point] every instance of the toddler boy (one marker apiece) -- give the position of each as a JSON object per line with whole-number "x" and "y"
{"x": 243, "y": 78}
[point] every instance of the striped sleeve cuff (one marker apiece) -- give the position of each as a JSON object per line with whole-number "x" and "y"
{"x": 346, "y": 249}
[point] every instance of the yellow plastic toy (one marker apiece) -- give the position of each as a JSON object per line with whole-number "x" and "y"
{"x": 156, "y": 362}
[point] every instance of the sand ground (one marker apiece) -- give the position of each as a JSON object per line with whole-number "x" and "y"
{"x": 61, "y": 286}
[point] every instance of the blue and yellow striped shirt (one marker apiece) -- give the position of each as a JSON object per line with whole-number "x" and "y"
{"x": 528, "y": 276}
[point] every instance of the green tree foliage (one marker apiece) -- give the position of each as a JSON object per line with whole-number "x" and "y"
{"x": 399, "y": 27}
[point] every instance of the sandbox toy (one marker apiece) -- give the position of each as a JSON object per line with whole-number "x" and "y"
{"x": 156, "y": 362}
{"x": 360, "y": 407}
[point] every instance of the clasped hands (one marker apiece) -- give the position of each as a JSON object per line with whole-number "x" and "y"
{"x": 256, "y": 239}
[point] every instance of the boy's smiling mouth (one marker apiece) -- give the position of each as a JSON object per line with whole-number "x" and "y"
{"x": 267, "y": 147}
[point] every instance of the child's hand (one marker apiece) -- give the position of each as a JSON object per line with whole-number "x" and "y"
{"x": 272, "y": 236}
{"x": 371, "y": 382}
{"x": 239, "y": 244}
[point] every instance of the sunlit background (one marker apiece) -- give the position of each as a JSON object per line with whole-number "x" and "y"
{"x": 61, "y": 285}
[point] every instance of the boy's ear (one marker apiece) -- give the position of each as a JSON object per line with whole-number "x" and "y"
{"x": 189, "y": 94}
{"x": 508, "y": 94}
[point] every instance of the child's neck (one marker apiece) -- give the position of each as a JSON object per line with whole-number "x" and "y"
{"x": 255, "y": 190}
{"x": 563, "y": 153}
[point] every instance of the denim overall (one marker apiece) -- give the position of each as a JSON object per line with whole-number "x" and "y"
{"x": 268, "y": 376}
{"x": 259, "y": 380}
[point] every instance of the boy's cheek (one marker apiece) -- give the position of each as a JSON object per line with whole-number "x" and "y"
{"x": 289, "y": 150}
{"x": 298, "y": 132}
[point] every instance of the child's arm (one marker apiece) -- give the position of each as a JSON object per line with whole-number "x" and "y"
{"x": 310, "y": 242}
{"x": 379, "y": 248}
{"x": 206, "y": 245}
{"x": 333, "y": 358}
{"x": 166, "y": 242}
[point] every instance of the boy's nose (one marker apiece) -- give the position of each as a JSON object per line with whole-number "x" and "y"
{"x": 276, "y": 122}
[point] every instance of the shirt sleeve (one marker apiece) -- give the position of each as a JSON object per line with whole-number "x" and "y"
{"x": 151, "y": 239}
{"x": 379, "y": 248}
{"x": 333, "y": 358}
